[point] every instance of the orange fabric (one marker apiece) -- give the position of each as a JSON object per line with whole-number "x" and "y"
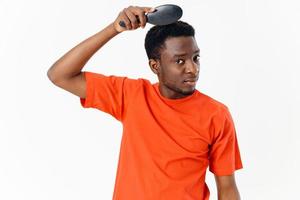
{"x": 167, "y": 144}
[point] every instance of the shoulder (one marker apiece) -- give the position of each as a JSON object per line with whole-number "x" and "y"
{"x": 137, "y": 83}
{"x": 211, "y": 104}
{"x": 123, "y": 83}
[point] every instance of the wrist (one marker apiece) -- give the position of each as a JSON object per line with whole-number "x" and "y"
{"x": 113, "y": 28}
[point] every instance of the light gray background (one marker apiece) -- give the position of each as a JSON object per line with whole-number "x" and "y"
{"x": 52, "y": 148}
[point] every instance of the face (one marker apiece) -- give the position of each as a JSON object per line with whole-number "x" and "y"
{"x": 178, "y": 67}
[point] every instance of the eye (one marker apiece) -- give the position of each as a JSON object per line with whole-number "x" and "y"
{"x": 180, "y": 61}
{"x": 197, "y": 59}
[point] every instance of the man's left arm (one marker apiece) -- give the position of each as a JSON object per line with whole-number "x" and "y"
{"x": 227, "y": 189}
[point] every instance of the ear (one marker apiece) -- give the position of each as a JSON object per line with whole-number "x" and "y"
{"x": 155, "y": 66}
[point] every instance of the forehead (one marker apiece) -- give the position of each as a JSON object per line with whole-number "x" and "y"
{"x": 179, "y": 46}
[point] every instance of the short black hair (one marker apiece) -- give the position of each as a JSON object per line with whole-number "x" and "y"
{"x": 157, "y": 35}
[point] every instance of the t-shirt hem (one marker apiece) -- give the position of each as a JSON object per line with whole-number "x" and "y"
{"x": 225, "y": 172}
{"x": 85, "y": 102}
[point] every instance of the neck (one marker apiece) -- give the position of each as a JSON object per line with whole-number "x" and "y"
{"x": 170, "y": 93}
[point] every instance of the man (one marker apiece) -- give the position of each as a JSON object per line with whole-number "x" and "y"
{"x": 171, "y": 131}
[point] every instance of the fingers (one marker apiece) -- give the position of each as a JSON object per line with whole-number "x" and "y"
{"x": 133, "y": 18}
{"x": 141, "y": 14}
{"x": 148, "y": 9}
{"x": 126, "y": 20}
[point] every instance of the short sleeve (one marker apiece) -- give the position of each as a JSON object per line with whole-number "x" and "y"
{"x": 109, "y": 94}
{"x": 224, "y": 157}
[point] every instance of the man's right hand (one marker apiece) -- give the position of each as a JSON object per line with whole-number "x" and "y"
{"x": 133, "y": 18}
{"x": 67, "y": 73}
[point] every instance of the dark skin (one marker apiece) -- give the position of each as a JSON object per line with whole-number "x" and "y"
{"x": 179, "y": 61}
{"x": 171, "y": 70}
{"x": 178, "y": 67}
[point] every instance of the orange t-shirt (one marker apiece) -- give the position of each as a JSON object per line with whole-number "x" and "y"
{"x": 167, "y": 144}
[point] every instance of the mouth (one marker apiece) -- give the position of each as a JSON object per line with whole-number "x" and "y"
{"x": 190, "y": 82}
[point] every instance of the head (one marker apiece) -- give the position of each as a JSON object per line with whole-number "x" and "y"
{"x": 174, "y": 57}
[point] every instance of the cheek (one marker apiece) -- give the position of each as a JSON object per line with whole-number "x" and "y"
{"x": 170, "y": 75}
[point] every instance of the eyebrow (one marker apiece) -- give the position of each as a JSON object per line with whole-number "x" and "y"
{"x": 184, "y": 54}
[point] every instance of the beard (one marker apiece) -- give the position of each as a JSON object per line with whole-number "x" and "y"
{"x": 177, "y": 89}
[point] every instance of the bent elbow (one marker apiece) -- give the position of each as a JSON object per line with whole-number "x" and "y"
{"x": 52, "y": 77}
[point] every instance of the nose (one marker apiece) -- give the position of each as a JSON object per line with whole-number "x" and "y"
{"x": 192, "y": 68}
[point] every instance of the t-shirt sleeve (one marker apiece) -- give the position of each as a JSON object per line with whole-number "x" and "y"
{"x": 224, "y": 156}
{"x": 109, "y": 94}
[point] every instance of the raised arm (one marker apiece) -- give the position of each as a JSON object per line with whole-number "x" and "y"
{"x": 66, "y": 72}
